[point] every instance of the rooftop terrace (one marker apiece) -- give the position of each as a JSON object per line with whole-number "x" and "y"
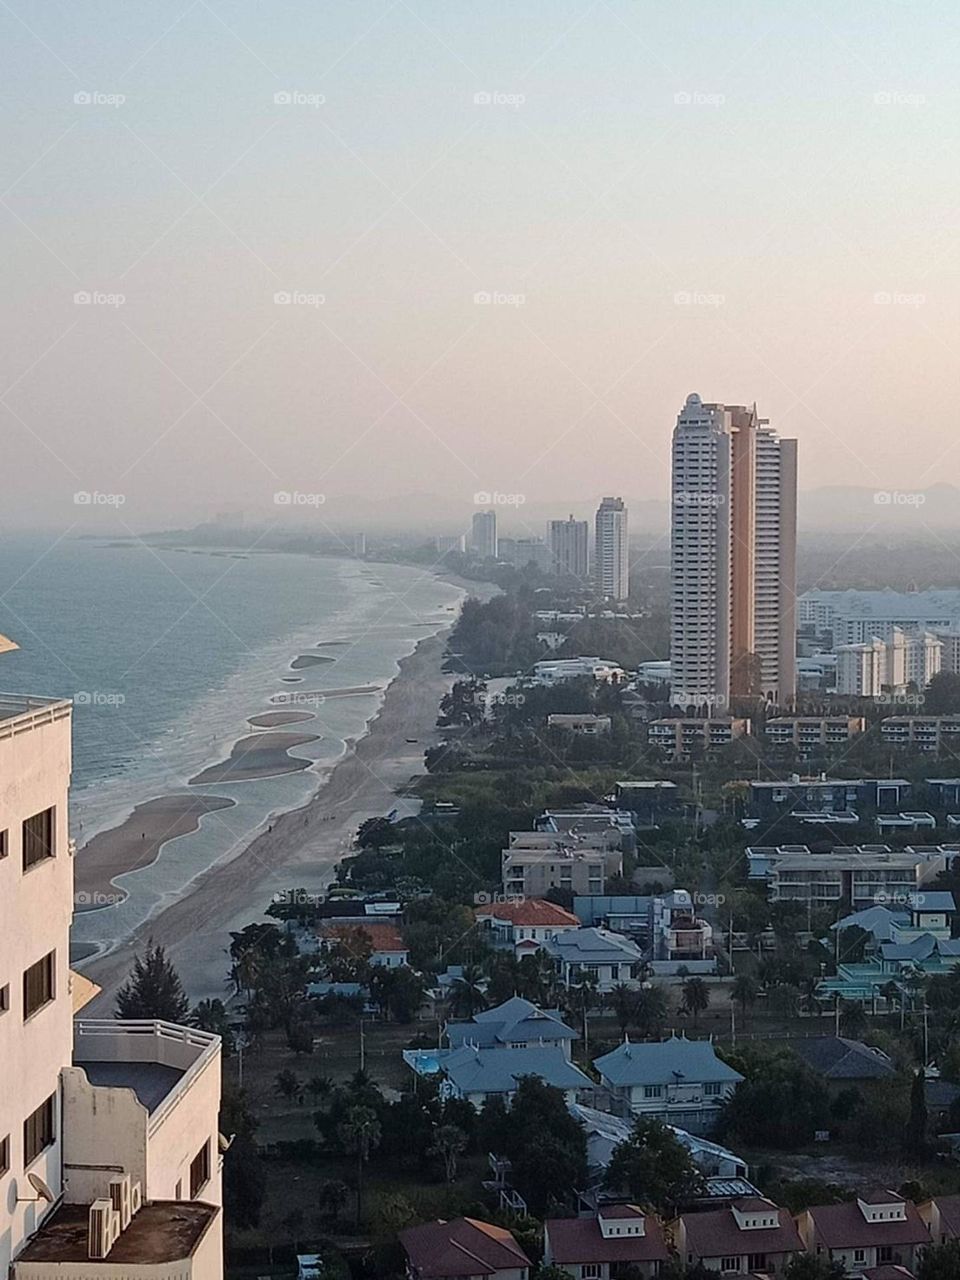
{"x": 162, "y": 1232}
{"x": 21, "y": 707}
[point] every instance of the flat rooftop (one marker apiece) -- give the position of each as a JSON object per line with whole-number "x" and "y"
{"x": 15, "y": 705}
{"x": 163, "y": 1231}
{"x": 150, "y": 1081}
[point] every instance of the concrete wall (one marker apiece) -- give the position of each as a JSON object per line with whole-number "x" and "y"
{"x": 36, "y": 907}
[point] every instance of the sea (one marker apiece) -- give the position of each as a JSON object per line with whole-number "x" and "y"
{"x": 166, "y": 653}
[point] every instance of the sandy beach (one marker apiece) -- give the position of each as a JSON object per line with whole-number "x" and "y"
{"x": 302, "y": 847}
{"x": 260, "y": 755}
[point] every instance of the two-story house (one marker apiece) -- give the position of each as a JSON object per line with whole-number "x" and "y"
{"x": 879, "y": 1227}
{"x": 618, "y": 1237}
{"x": 523, "y": 925}
{"x": 609, "y": 959}
{"x": 679, "y": 1081}
{"x": 515, "y": 1024}
{"x": 751, "y": 1236}
{"x": 465, "y": 1248}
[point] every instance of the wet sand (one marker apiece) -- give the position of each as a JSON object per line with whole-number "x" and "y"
{"x": 310, "y": 660}
{"x": 303, "y": 846}
{"x": 261, "y": 755}
{"x": 135, "y": 844}
{"x": 321, "y": 694}
{"x": 268, "y": 719}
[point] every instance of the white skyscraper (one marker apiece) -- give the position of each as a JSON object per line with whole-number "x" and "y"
{"x": 611, "y": 551}
{"x": 733, "y": 558}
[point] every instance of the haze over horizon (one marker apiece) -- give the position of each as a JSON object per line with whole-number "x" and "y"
{"x": 755, "y": 204}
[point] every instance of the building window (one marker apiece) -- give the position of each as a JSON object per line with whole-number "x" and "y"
{"x": 4, "y": 1155}
{"x": 38, "y": 838}
{"x": 200, "y": 1170}
{"x": 757, "y": 1262}
{"x": 712, "y": 1089}
{"x": 38, "y": 1131}
{"x": 5, "y": 998}
{"x": 652, "y": 1090}
{"x": 859, "y": 1255}
{"x": 730, "y": 1264}
{"x": 590, "y": 1271}
{"x": 38, "y": 984}
{"x": 4, "y": 843}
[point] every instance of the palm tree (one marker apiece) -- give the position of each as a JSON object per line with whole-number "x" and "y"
{"x": 359, "y": 1131}
{"x": 744, "y": 992}
{"x": 696, "y": 997}
{"x": 466, "y": 993}
{"x": 287, "y": 1085}
{"x": 622, "y": 1001}
{"x": 449, "y": 1142}
{"x": 651, "y": 1010}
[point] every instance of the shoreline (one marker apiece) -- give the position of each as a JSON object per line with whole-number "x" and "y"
{"x": 301, "y": 847}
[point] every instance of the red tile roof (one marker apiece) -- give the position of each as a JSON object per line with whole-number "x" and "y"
{"x": 383, "y": 937}
{"x": 949, "y": 1207}
{"x": 717, "y": 1234}
{"x": 463, "y": 1247}
{"x": 889, "y": 1271}
{"x": 578, "y": 1240}
{"x": 530, "y": 911}
{"x": 843, "y": 1226}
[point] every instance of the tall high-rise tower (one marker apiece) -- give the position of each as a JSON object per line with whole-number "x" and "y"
{"x": 570, "y": 547}
{"x": 733, "y": 558}
{"x": 611, "y": 552}
{"x": 483, "y": 534}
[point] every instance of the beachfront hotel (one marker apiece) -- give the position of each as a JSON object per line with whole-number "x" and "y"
{"x": 110, "y": 1160}
{"x": 732, "y": 558}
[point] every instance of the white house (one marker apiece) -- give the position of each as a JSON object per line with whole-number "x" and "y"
{"x": 608, "y": 958}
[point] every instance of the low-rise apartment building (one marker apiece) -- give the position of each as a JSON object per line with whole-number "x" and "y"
{"x": 557, "y": 670}
{"x": 921, "y": 733}
{"x": 581, "y": 726}
{"x": 836, "y": 796}
{"x": 109, "y": 1154}
{"x": 679, "y": 739}
{"x": 537, "y": 861}
{"x": 857, "y": 877}
{"x": 809, "y": 734}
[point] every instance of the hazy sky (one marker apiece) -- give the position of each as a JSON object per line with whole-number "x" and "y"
{"x": 756, "y": 201}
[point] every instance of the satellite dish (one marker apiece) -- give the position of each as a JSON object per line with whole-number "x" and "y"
{"x": 40, "y": 1187}
{"x": 225, "y": 1143}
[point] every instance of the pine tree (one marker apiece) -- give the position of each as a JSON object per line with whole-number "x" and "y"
{"x": 153, "y": 990}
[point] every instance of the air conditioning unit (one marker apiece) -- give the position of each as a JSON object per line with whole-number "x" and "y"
{"x": 136, "y": 1198}
{"x": 103, "y": 1229}
{"x": 120, "y": 1199}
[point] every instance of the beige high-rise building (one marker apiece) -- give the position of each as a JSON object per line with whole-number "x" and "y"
{"x": 733, "y": 558}
{"x": 611, "y": 556}
{"x": 110, "y": 1157}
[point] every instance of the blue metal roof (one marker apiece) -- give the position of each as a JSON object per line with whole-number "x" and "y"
{"x": 672, "y": 1061}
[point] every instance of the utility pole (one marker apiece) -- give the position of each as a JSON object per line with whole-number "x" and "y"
{"x": 362, "y": 1048}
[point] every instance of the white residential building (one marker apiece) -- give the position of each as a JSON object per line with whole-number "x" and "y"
{"x": 853, "y": 617}
{"x": 556, "y": 670}
{"x": 678, "y": 1081}
{"x": 733, "y": 557}
{"x": 866, "y": 669}
{"x": 611, "y": 550}
{"x": 862, "y": 669}
{"x": 109, "y": 1152}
